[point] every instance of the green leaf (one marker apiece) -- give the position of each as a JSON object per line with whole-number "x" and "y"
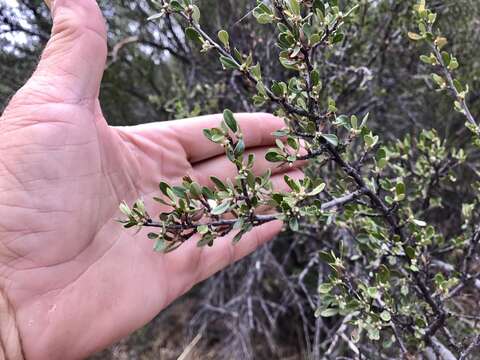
{"x": 372, "y": 292}
{"x": 453, "y": 64}
{"x": 414, "y": 36}
{"x": 374, "y": 334}
{"x": 342, "y": 120}
{"x": 332, "y": 106}
{"x": 125, "y": 209}
{"x": 179, "y": 191}
{"x": 193, "y": 35}
{"x": 354, "y": 122}
{"x": 228, "y": 63}
{"x": 293, "y": 224}
{"x": 440, "y": 42}
{"x": 317, "y": 190}
{"x": 338, "y": 37}
{"x": 315, "y": 39}
{"x": 208, "y": 193}
{"x": 294, "y": 6}
{"x": 329, "y": 312}
{"x": 410, "y": 251}
{"x": 238, "y": 237}
{"x": 218, "y": 183}
{"x": 264, "y": 19}
{"x": 326, "y": 257}
{"x": 164, "y": 188}
{"x": 318, "y": 5}
{"x": 458, "y": 85}
{"x": 277, "y": 89}
{"x": 426, "y": 59}
{"x": 315, "y": 76}
{"x": 400, "y": 191}
{"x": 152, "y": 236}
{"x": 171, "y": 195}
{"x": 215, "y": 135}
{"x": 293, "y": 143}
{"x": 202, "y": 229}
{"x": 383, "y": 275}
{"x": 385, "y": 316}
{"x": 274, "y": 156}
{"x": 239, "y": 148}
{"x": 256, "y": 72}
{"x": 195, "y": 13}
{"x": 332, "y": 139}
{"x": 446, "y": 58}
{"x": 420, "y": 223}
{"x": 263, "y": 14}
{"x": 224, "y": 38}
{"x": 195, "y": 190}
{"x": 364, "y": 120}
{"x": 280, "y": 133}
{"x": 230, "y": 120}
{"x": 156, "y": 16}
{"x": 160, "y": 245}
{"x": 381, "y": 159}
{"x": 325, "y": 288}
{"x": 370, "y": 140}
{"x": 250, "y": 161}
{"x": 292, "y": 183}
{"x": 176, "y": 6}
{"x": 206, "y": 239}
{"x": 439, "y": 80}
{"x": 220, "y": 209}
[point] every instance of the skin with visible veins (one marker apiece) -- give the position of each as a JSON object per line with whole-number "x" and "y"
{"x": 76, "y": 279}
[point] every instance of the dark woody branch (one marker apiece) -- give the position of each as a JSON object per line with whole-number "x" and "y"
{"x": 256, "y": 220}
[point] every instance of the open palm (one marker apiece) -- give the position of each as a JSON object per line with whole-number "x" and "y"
{"x": 76, "y": 279}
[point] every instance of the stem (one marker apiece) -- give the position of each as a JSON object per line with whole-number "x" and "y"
{"x": 475, "y": 344}
{"x": 374, "y": 198}
{"x": 452, "y": 87}
{"x": 256, "y": 219}
{"x": 289, "y": 107}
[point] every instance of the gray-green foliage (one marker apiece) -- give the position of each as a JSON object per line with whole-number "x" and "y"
{"x": 397, "y": 273}
{"x": 374, "y": 69}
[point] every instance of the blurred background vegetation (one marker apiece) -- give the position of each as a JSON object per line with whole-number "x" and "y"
{"x": 261, "y": 307}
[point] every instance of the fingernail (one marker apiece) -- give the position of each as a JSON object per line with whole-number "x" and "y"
{"x": 49, "y": 3}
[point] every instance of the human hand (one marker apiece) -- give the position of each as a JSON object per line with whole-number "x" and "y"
{"x": 76, "y": 280}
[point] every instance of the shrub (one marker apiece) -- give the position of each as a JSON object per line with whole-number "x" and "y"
{"x": 400, "y": 251}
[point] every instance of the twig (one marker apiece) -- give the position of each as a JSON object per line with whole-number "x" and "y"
{"x": 452, "y": 87}
{"x": 475, "y": 344}
{"x": 190, "y": 347}
{"x": 256, "y": 221}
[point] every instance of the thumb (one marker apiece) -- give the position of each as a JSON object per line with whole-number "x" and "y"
{"x": 73, "y": 61}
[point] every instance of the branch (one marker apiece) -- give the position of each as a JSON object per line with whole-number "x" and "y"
{"x": 256, "y": 220}
{"x": 437, "y": 348}
{"x": 472, "y": 246}
{"x": 475, "y": 344}
{"x": 452, "y": 87}
{"x": 342, "y": 200}
{"x": 289, "y": 107}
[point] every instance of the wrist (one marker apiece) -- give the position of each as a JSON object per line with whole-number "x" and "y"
{"x": 10, "y": 343}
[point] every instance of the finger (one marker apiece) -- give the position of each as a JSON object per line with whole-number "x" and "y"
{"x": 256, "y": 127}
{"x": 72, "y": 64}
{"x": 224, "y": 169}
